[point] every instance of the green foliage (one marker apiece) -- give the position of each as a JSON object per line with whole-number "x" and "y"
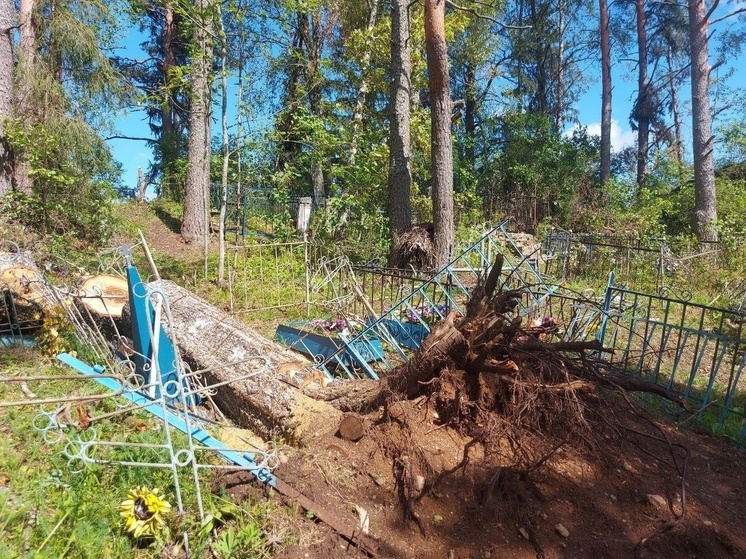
{"x": 536, "y": 161}
{"x": 72, "y": 184}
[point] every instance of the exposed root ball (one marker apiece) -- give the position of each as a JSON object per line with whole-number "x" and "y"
{"x": 414, "y": 248}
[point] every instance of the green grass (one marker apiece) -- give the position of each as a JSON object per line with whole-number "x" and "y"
{"x": 47, "y": 510}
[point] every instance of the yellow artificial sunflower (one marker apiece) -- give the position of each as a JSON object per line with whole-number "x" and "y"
{"x": 143, "y": 511}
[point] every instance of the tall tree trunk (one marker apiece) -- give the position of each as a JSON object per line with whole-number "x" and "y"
{"x": 400, "y": 174}
{"x": 195, "y": 225}
{"x": 24, "y": 102}
{"x": 6, "y": 90}
{"x": 169, "y": 135}
{"x": 559, "y": 120}
{"x": 605, "y": 93}
{"x": 226, "y": 147}
{"x": 705, "y": 209}
{"x": 362, "y": 90}
{"x": 440, "y": 129}
{"x": 314, "y": 41}
{"x": 678, "y": 147}
{"x": 642, "y": 107}
{"x": 470, "y": 109}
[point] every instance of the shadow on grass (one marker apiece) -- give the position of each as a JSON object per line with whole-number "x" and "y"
{"x": 173, "y": 223}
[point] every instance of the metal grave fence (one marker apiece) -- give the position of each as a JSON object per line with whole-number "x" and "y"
{"x": 141, "y": 375}
{"x": 396, "y": 310}
{"x": 693, "y": 350}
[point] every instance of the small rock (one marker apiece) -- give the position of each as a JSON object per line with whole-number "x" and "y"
{"x": 486, "y": 555}
{"x": 562, "y": 531}
{"x": 451, "y": 554}
{"x": 380, "y": 482}
{"x": 419, "y": 483}
{"x": 657, "y": 500}
{"x": 437, "y": 520}
{"x": 524, "y": 532}
{"x": 707, "y": 523}
{"x": 612, "y": 497}
{"x": 544, "y": 516}
{"x": 563, "y": 545}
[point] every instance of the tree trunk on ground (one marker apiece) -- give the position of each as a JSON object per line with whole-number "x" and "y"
{"x": 440, "y": 127}
{"x": 194, "y": 228}
{"x": 705, "y": 209}
{"x": 268, "y": 401}
{"x": 6, "y": 90}
{"x": 605, "y": 93}
{"x": 400, "y": 174}
{"x": 642, "y": 105}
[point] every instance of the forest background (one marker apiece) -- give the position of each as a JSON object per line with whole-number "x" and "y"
{"x": 384, "y": 113}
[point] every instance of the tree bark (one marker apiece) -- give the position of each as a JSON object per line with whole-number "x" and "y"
{"x": 440, "y": 129}
{"x": 470, "y": 110}
{"x": 194, "y": 228}
{"x": 400, "y": 174}
{"x": 605, "y": 93}
{"x": 674, "y": 87}
{"x": 705, "y": 209}
{"x": 24, "y": 101}
{"x": 263, "y": 379}
{"x": 225, "y": 146}
{"x": 6, "y": 90}
{"x": 642, "y": 106}
{"x": 559, "y": 109}
{"x": 169, "y": 137}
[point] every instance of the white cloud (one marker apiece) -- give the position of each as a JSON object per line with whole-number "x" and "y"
{"x": 620, "y": 138}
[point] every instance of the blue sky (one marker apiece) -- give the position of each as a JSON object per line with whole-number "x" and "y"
{"x": 133, "y": 154}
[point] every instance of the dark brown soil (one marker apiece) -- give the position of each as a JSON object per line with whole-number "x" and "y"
{"x": 475, "y": 512}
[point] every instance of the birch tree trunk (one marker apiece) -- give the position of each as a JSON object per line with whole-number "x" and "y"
{"x": 440, "y": 127}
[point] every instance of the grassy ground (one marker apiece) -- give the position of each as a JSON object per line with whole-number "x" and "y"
{"x": 50, "y": 509}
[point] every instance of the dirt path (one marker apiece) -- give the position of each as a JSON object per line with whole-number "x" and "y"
{"x": 161, "y": 230}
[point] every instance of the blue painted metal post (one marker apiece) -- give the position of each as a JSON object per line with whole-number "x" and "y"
{"x": 605, "y": 313}
{"x": 153, "y": 356}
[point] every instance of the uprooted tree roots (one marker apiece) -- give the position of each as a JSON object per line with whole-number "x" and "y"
{"x": 517, "y": 397}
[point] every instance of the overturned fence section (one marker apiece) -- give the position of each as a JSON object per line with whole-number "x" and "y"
{"x": 399, "y": 308}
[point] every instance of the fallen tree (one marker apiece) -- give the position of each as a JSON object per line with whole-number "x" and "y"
{"x": 257, "y": 380}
